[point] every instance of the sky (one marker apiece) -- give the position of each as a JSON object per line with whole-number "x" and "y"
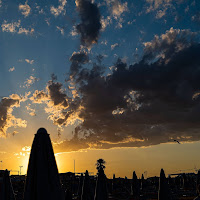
{"x": 111, "y": 79}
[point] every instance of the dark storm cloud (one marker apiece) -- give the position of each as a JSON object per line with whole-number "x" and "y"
{"x": 59, "y": 105}
{"x": 7, "y": 119}
{"x": 90, "y": 25}
{"x": 77, "y": 59}
{"x": 153, "y": 101}
{"x": 148, "y": 103}
{"x": 53, "y": 94}
{"x": 57, "y": 96}
{"x": 168, "y": 44}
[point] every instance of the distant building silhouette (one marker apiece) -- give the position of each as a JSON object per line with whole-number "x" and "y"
{"x": 6, "y": 190}
{"x": 42, "y": 181}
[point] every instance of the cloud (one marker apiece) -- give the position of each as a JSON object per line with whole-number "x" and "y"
{"x": 117, "y": 9}
{"x": 10, "y": 27}
{"x": 30, "y": 110}
{"x": 73, "y": 31}
{"x": 168, "y": 44}
{"x": 160, "y": 6}
{"x": 77, "y": 59}
{"x": 30, "y": 81}
{"x": 25, "y": 9}
{"x": 157, "y": 4}
{"x": 90, "y": 25}
{"x": 196, "y": 17}
{"x": 39, "y": 97}
{"x": 57, "y": 103}
{"x": 26, "y": 148}
{"x": 26, "y": 31}
{"x": 15, "y": 27}
{"x": 113, "y": 46}
{"x": 29, "y": 61}
{"x": 7, "y": 119}
{"x": 62, "y": 31}
{"x": 153, "y": 101}
{"x": 105, "y": 22}
{"x": 11, "y": 69}
{"x": 60, "y": 9}
{"x": 25, "y": 151}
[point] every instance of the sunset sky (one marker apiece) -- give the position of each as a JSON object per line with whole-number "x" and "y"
{"x": 111, "y": 79}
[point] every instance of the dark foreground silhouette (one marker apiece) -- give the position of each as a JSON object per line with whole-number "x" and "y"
{"x": 43, "y": 182}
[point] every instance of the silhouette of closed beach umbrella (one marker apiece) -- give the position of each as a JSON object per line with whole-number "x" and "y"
{"x": 101, "y": 192}
{"x": 80, "y": 187}
{"x": 42, "y": 180}
{"x": 163, "y": 193}
{"x": 135, "y": 186}
{"x": 142, "y": 182}
{"x": 113, "y": 183}
{"x": 6, "y": 190}
{"x": 87, "y": 193}
{"x": 198, "y": 178}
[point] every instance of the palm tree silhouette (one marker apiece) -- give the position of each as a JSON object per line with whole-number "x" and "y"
{"x": 100, "y": 164}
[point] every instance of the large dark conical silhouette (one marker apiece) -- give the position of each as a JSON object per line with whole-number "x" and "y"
{"x": 101, "y": 192}
{"x": 163, "y": 193}
{"x": 42, "y": 180}
{"x": 6, "y": 190}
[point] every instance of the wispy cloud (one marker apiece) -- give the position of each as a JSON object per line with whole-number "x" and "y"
{"x": 62, "y": 31}
{"x": 60, "y": 9}
{"x": 25, "y": 9}
{"x": 113, "y": 46}
{"x": 30, "y": 110}
{"x": 10, "y": 27}
{"x": 73, "y": 31}
{"x": 29, "y": 61}
{"x": 25, "y": 151}
{"x": 105, "y": 22}
{"x": 26, "y": 148}
{"x": 30, "y": 81}
{"x": 15, "y": 27}
{"x": 168, "y": 44}
{"x": 161, "y": 7}
{"x": 11, "y": 69}
{"x": 117, "y": 9}
{"x": 26, "y": 31}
